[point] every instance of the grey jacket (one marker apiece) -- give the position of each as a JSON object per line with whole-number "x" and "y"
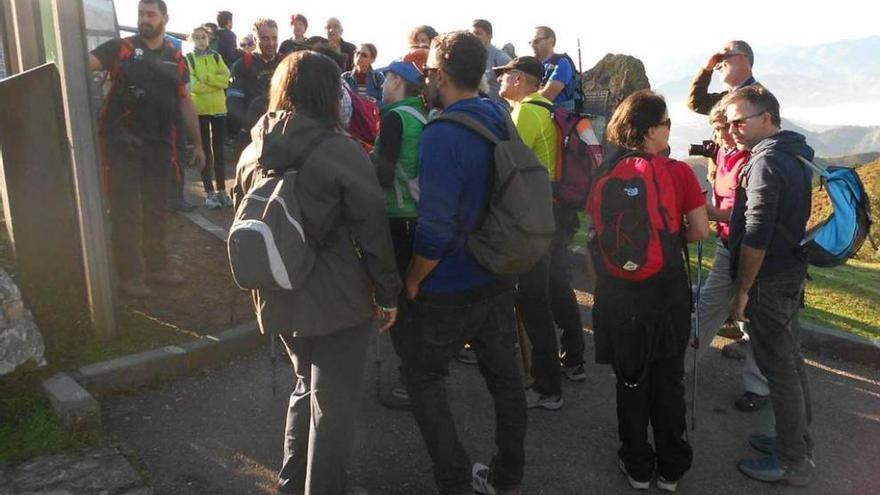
{"x": 344, "y": 210}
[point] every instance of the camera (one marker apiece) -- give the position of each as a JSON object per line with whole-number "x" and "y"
{"x": 708, "y": 149}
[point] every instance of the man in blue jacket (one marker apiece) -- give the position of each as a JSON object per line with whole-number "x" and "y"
{"x": 456, "y": 300}
{"x": 769, "y": 267}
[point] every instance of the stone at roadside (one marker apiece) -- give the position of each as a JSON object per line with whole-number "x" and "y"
{"x": 20, "y": 338}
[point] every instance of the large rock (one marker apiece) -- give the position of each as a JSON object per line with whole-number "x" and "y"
{"x": 620, "y": 75}
{"x": 20, "y": 339}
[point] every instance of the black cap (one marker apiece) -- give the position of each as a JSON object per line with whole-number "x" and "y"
{"x": 528, "y": 65}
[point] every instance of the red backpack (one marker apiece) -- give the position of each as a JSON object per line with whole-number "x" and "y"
{"x": 578, "y": 155}
{"x": 631, "y": 204}
{"x": 365, "y": 118}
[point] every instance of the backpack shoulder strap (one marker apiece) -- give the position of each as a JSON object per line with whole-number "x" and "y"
{"x": 192, "y": 61}
{"x": 469, "y": 122}
{"x": 548, "y": 106}
{"x": 816, "y": 168}
{"x": 411, "y": 111}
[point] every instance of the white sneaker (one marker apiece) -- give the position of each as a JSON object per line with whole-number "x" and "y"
{"x": 212, "y": 202}
{"x": 224, "y": 199}
{"x": 638, "y": 485}
{"x": 666, "y": 485}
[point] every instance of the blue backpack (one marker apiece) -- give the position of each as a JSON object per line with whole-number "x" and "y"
{"x": 839, "y": 237}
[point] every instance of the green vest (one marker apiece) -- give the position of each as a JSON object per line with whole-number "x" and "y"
{"x": 401, "y": 199}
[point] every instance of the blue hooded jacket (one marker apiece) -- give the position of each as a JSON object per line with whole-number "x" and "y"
{"x": 455, "y": 177}
{"x": 773, "y": 204}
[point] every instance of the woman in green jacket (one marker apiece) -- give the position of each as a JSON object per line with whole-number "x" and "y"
{"x": 209, "y": 78}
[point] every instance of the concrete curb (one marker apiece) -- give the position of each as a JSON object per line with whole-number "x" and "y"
{"x": 206, "y": 225}
{"x": 144, "y": 368}
{"x": 824, "y": 340}
{"x": 78, "y": 410}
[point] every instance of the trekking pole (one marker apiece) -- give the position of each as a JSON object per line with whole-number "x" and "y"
{"x": 697, "y": 333}
{"x": 273, "y": 357}
{"x": 580, "y": 65}
{"x": 378, "y": 367}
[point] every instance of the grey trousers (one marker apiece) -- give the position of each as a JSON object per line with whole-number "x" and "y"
{"x": 773, "y": 308}
{"x": 320, "y": 418}
{"x": 715, "y": 296}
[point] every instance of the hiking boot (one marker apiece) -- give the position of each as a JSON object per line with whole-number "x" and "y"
{"x": 666, "y": 485}
{"x": 481, "y": 485}
{"x": 212, "y": 201}
{"x": 735, "y": 350}
{"x": 751, "y": 402}
{"x": 636, "y": 484}
{"x": 397, "y": 398}
{"x": 467, "y": 355}
{"x": 224, "y": 199}
{"x": 574, "y": 373}
{"x": 135, "y": 288}
{"x": 535, "y": 399}
{"x": 770, "y": 469}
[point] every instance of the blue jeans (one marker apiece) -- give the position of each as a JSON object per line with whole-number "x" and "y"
{"x": 775, "y": 338}
{"x": 440, "y": 327}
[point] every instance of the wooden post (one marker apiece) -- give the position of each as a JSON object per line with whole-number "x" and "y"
{"x": 25, "y": 54}
{"x": 75, "y": 76}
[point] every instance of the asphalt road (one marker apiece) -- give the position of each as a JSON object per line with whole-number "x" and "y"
{"x": 220, "y": 432}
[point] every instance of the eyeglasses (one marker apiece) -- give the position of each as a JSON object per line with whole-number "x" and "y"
{"x": 536, "y": 41}
{"x": 666, "y": 123}
{"x": 738, "y": 123}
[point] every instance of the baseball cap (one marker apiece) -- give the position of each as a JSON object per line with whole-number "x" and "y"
{"x": 409, "y": 71}
{"x": 528, "y": 65}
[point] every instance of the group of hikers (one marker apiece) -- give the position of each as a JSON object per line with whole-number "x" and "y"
{"x": 451, "y": 225}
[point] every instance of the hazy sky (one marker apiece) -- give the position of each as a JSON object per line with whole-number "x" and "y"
{"x": 651, "y": 30}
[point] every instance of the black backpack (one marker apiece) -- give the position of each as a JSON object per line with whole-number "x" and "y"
{"x": 519, "y": 225}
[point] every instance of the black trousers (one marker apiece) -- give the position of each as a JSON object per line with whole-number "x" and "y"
{"x": 440, "y": 327}
{"x": 564, "y": 303}
{"x": 535, "y": 310}
{"x": 138, "y": 178}
{"x": 213, "y": 130}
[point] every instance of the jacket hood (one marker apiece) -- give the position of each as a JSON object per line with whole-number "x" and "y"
{"x": 785, "y": 141}
{"x": 279, "y": 138}
{"x": 485, "y": 111}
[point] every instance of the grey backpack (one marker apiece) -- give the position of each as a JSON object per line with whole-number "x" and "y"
{"x": 268, "y": 246}
{"x": 518, "y": 226}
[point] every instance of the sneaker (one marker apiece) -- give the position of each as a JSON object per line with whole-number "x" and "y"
{"x": 735, "y": 350}
{"x": 467, "y": 355}
{"x": 535, "y": 399}
{"x": 666, "y": 485}
{"x": 574, "y": 373}
{"x": 212, "y": 201}
{"x": 770, "y": 469}
{"x": 638, "y": 485}
{"x": 135, "y": 288}
{"x": 751, "y": 402}
{"x": 766, "y": 444}
{"x": 730, "y": 330}
{"x": 397, "y": 398}
{"x": 481, "y": 485}
{"x": 224, "y": 199}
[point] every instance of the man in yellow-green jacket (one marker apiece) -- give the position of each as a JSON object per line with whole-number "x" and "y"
{"x": 209, "y": 78}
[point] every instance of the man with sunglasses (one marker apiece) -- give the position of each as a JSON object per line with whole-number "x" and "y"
{"x": 734, "y": 64}
{"x": 558, "y": 83}
{"x": 769, "y": 266}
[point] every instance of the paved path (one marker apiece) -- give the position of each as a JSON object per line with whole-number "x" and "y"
{"x": 220, "y": 432}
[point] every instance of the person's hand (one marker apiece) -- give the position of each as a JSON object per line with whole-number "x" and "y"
{"x": 412, "y": 289}
{"x": 714, "y": 60}
{"x": 738, "y": 306}
{"x": 386, "y": 318}
{"x": 198, "y": 158}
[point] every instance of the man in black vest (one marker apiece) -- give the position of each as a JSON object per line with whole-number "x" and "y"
{"x": 150, "y": 89}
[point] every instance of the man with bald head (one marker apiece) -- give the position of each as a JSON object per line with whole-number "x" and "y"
{"x": 734, "y": 64}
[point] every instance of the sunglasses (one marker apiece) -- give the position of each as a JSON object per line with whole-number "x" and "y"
{"x": 536, "y": 41}
{"x": 739, "y": 123}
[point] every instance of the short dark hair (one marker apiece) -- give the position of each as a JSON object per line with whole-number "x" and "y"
{"x": 483, "y": 24}
{"x": 224, "y": 17}
{"x": 546, "y": 31}
{"x": 309, "y": 83}
{"x": 760, "y": 99}
{"x": 463, "y": 58}
{"x": 163, "y": 7}
{"x": 370, "y": 48}
{"x": 414, "y": 34}
{"x": 634, "y": 117}
{"x": 301, "y": 18}
{"x": 264, "y": 22}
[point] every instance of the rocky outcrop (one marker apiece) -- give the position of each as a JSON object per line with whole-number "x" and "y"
{"x": 619, "y": 75}
{"x": 20, "y": 339}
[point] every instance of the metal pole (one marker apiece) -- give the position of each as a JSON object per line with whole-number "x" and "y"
{"x": 697, "y": 332}
{"x": 75, "y": 76}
